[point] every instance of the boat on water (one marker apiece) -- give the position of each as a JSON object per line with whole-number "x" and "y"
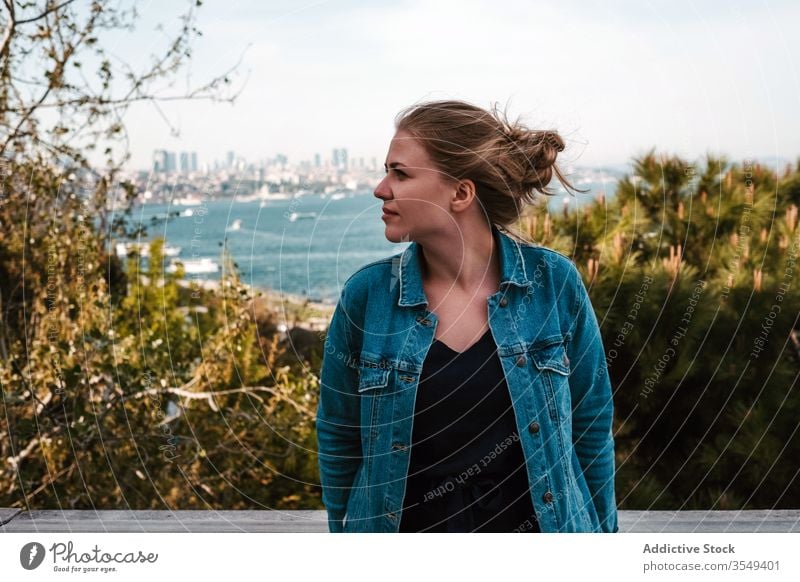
{"x": 124, "y": 249}
{"x": 295, "y": 216}
{"x": 235, "y": 225}
{"x": 264, "y": 194}
{"x": 246, "y": 198}
{"x": 338, "y": 196}
{"x": 187, "y": 201}
{"x": 194, "y": 266}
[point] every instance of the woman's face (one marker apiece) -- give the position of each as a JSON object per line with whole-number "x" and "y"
{"x": 416, "y": 195}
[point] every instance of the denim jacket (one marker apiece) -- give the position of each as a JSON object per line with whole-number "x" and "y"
{"x": 549, "y": 344}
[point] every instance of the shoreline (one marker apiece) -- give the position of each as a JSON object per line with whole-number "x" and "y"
{"x": 283, "y": 297}
{"x": 281, "y": 302}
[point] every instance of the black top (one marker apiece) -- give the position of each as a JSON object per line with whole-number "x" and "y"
{"x": 467, "y": 468}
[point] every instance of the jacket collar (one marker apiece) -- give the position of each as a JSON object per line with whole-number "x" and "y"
{"x": 512, "y": 269}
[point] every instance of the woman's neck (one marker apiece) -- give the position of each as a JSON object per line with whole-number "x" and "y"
{"x": 464, "y": 261}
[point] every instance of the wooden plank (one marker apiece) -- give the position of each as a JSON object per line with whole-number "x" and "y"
{"x": 632, "y": 521}
{"x": 755, "y": 521}
{"x": 7, "y": 514}
{"x": 151, "y": 521}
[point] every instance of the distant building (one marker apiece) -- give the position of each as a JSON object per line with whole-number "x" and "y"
{"x": 187, "y": 162}
{"x": 317, "y": 160}
{"x": 163, "y": 161}
{"x": 160, "y": 161}
{"x": 340, "y": 158}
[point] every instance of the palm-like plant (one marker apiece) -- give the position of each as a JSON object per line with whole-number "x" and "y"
{"x": 689, "y": 267}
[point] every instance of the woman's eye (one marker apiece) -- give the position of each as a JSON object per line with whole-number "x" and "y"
{"x": 397, "y": 172}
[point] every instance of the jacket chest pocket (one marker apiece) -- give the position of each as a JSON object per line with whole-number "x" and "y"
{"x": 372, "y": 376}
{"x": 383, "y": 376}
{"x": 554, "y": 368}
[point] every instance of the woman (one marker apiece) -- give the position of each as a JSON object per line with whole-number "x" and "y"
{"x": 463, "y": 386}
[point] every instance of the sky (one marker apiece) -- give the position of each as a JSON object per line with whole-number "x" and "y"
{"x": 615, "y": 78}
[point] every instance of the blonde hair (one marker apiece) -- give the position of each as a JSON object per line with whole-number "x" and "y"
{"x": 508, "y": 162}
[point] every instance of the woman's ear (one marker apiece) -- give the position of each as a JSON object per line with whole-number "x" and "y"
{"x": 463, "y": 195}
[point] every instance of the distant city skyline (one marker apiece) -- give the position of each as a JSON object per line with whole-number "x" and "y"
{"x": 165, "y": 161}
{"x": 614, "y": 78}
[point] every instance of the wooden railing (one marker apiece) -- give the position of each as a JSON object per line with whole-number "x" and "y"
{"x": 67, "y": 521}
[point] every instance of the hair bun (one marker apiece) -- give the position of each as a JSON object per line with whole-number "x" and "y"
{"x": 553, "y": 140}
{"x": 546, "y": 137}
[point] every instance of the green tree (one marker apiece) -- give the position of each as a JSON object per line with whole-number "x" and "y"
{"x": 122, "y": 385}
{"x": 692, "y": 272}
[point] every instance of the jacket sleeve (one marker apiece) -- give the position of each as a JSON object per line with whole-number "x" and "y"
{"x": 338, "y": 417}
{"x": 592, "y": 407}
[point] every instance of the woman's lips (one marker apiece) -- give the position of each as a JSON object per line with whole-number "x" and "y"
{"x": 388, "y": 213}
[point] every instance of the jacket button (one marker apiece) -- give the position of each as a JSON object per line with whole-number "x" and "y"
{"x": 521, "y": 361}
{"x": 548, "y": 497}
{"x": 399, "y": 446}
{"x": 503, "y": 302}
{"x": 424, "y": 320}
{"x": 533, "y": 427}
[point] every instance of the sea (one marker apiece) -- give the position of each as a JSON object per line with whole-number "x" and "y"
{"x": 305, "y": 246}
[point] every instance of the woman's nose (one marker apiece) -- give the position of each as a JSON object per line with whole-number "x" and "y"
{"x": 381, "y": 190}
